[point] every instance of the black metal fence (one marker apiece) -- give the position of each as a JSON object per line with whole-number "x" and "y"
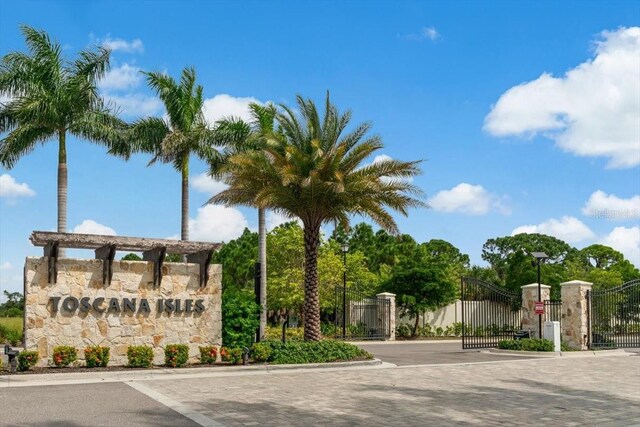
{"x": 489, "y": 313}
{"x": 553, "y": 311}
{"x": 614, "y": 316}
{"x": 359, "y": 317}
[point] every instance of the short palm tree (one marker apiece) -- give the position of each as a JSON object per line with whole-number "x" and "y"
{"x": 50, "y": 97}
{"x": 313, "y": 170}
{"x": 237, "y": 136}
{"x": 184, "y": 131}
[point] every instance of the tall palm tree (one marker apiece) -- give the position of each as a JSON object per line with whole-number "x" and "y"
{"x": 238, "y": 136}
{"x": 50, "y": 97}
{"x": 183, "y": 132}
{"x": 313, "y": 170}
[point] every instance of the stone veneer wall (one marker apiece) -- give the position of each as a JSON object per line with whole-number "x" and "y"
{"x": 575, "y": 314}
{"x": 530, "y": 319}
{"x": 45, "y": 329}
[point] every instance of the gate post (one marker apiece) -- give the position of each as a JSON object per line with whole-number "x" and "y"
{"x": 392, "y": 313}
{"x": 575, "y": 314}
{"x": 529, "y": 297}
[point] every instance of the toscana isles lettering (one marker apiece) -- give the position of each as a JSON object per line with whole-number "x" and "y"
{"x": 125, "y": 305}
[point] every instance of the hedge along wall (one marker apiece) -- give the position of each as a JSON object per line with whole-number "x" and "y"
{"x": 79, "y": 310}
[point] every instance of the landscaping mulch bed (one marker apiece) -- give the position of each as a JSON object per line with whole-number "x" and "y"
{"x": 72, "y": 369}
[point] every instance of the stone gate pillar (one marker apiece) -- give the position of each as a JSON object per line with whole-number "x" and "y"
{"x": 529, "y": 298}
{"x": 575, "y": 314}
{"x": 392, "y": 312}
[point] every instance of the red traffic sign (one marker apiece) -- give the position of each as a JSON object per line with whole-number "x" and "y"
{"x": 539, "y": 307}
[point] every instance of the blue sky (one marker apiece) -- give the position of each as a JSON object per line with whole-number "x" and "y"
{"x": 526, "y": 113}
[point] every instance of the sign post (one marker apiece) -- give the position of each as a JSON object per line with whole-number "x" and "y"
{"x": 539, "y": 308}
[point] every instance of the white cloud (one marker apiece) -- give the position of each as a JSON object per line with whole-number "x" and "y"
{"x": 10, "y": 188}
{"x": 274, "y": 219}
{"x": 426, "y": 33}
{"x": 136, "y": 104}
{"x": 610, "y": 206}
{"x": 4, "y": 99}
{"x": 593, "y": 110}
{"x": 89, "y": 226}
{"x": 133, "y": 46}
{"x": 468, "y": 199}
{"x": 6, "y": 266}
{"x": 625, "y": 240}
{"x": 223, "y": 105}
{"x": 206, "y": 184}
{"x": 121, "y": 78}
{"x": 214, "y": 223}
{"x": 382, "y": 158}
{"x": 568, "y": 228}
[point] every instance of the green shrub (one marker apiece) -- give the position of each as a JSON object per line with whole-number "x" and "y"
{"x": 240, "y": 319}
{"x": 526, "y": 344}
{"x": 208, "y": 354}
{"x": 27, "y": 360}
{"x": 425, "y": 331}
{"x": 274, "y": 333}
{"x": 139, "y": 356}
{"x": 1, "y": 367}
{"x": 457, "y": 328}
{"x": 14, "y": 337}
{"x": 313, "y": 352}
{"x": 232, "y": 355}
{"x": 64, "y": 355}
{"x": 327, "y": 329}
{"x": 404, "y": 331}
{"x": 261, "y": 351}
{"x": 176, "y": 355}
{"x": 96, "y": 356}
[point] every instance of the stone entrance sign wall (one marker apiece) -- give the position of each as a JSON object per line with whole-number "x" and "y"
{"x": 79, "y": 310}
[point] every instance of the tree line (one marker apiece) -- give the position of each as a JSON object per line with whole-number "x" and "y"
{"x": 299, "y": 161}
{"x": 424, "y": 276}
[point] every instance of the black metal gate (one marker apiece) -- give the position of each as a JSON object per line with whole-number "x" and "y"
{"x": 489, "y": 313}
{"x": 358, "y": 317}
{"x": 614, "y": 316}
{"x": 553, "y": 311}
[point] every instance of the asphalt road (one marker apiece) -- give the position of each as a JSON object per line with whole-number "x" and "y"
{"x": 109, "y": 404}
{"x": 403, "y": 353}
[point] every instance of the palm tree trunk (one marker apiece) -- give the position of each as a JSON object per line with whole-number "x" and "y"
{"x": 62, "y": 185}
{"x": 311, "y": 298}
{"x": 184, "y": 235}
{"x": 184, "y": 221}
{"x": 262, "y": 258}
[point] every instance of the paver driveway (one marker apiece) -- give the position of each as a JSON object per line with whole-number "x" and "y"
{"x": 603, "y": 391}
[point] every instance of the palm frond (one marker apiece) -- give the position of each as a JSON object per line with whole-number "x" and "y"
{"x": 21, "y": 141}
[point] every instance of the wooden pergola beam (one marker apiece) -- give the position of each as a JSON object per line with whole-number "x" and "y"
{"x": 122, "y": 243}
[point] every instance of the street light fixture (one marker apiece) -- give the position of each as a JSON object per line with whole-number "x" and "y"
{"x": 540, "y": 258}
{"x": 345, "y": 249}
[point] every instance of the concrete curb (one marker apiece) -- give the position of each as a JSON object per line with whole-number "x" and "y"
{"x": 569, "y": 354}
{"x": 163, "y": 374}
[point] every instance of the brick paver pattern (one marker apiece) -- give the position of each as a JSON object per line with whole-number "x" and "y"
{"x": 603, "y": 391}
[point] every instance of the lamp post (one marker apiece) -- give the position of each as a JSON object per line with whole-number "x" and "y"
{"x": 540, "y": 258}
{"x": 345, "y": 249}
